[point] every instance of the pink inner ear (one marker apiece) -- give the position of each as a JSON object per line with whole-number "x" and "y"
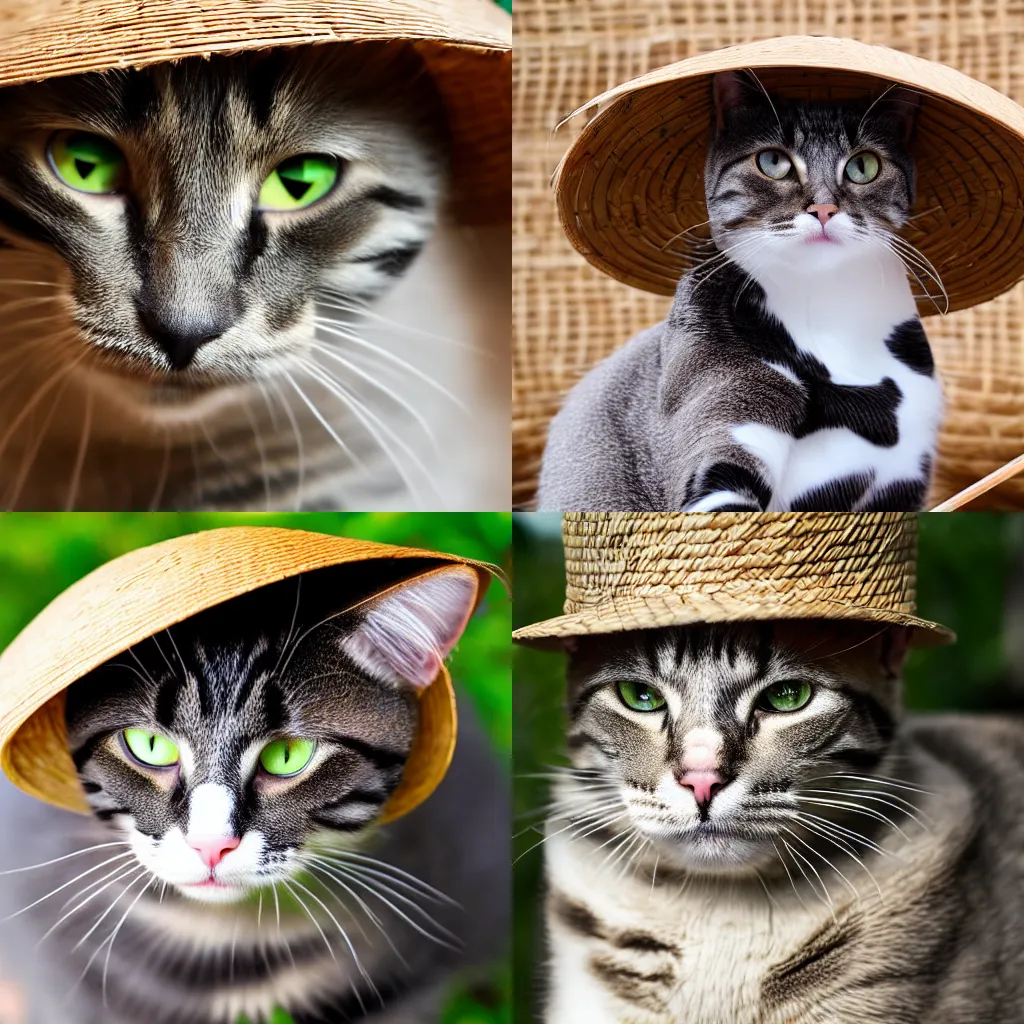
{"x": 406, "y": 634}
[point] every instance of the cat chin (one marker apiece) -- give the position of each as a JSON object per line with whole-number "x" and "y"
{"x": 219, "y": 893}
{"x": 716, "y": 853}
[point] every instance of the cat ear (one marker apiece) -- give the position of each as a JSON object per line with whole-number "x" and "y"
{"x": 895, "y": 642}
{"x": 404, "y": 635}
{"x": 733, "y": 89}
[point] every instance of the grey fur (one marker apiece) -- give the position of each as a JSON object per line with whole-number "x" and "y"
{"x": 175, "y": 959}
{"x": 781, "y": 922}
{"x": 91, "y": 287}
{"x": 656, "y": 425}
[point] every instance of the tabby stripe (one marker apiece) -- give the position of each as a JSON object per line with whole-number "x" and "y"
{"x": 392, "y": 261}
{"x": 395, "y": 199}
{"x": 379, "y": 757}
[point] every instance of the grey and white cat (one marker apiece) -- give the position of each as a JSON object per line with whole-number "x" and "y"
{"x": 197, "y": 269}
{"x": 752, "y": 832}
{"x": 235, "y": 766}
{"x": 792, "y": 372}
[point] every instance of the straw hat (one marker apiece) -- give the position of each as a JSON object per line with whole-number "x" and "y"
{"x": 150, "y": 589}
{"x": 633, "y": 182}
{"x": 643, "y": 570}
{"x": 466, "y": 45}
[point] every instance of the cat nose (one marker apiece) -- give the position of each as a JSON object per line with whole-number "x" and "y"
{"x": 214, "y": 849}
{"x": 703, "y": 784}
{"x": 823, "y": 211}
{"x": 180, "y": 337}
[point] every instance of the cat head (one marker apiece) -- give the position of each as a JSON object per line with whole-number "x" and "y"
{"x": 710, "y": 737}
{"x": 806, "y": 186}
{"x": 192, "y": 212}
{"x": 232, "y": 747}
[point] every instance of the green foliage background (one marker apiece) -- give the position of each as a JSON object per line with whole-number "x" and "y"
{"x": 42, "y": 554}
{"x": 969, "y": 578}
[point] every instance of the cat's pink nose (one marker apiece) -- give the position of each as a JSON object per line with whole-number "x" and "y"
{"x": 215, "y": 849}
{"x": 703, "y": 784}
{"x": 823, "y": 211}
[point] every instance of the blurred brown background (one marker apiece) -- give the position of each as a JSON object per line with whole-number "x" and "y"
{"x": 567, "y": 315}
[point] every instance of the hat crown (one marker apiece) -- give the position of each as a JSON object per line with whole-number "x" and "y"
{"x": 783, "y": 559}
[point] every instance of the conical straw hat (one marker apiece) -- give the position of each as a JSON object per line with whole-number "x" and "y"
{"x": 633, "y": 182}
{"x": 150, "y": 589}
{"x": 466, "y": 45}
{"x": 643, "y": 570}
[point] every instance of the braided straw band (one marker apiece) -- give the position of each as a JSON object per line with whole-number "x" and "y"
{"x": 630, "y": 190}
{"x": 640, "y": 570}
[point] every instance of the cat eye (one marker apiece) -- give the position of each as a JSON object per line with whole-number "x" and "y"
{"x": 150, "y": 748}
{"x": 790, "y": 695}
{"x": 863, "y": 167}
{"x": 287, "y": 756}
{"x": 773, "y": 163}
{"x": 299, "y": 182}
{"x": 641, "y": 697}
{"x": 87, "y": 162}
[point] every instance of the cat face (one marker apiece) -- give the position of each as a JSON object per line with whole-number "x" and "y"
{"x": 711, "y": 736}
{"x": 193, "y": 212}
{"x": 807, "y": 186}
{"x": 229, "y": 748}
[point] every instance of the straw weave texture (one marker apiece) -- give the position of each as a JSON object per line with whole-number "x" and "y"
{"x": 640, "y": 570}
{"x": 465, "y": 44}
{"x": 568, "y": 315}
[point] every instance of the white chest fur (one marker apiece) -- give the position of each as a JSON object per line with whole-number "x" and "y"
{"x": 727, "y": 939}
{"x": 843, "y": 317}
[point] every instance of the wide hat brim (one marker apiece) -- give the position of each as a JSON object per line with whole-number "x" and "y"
{"x": 151, "y": 589}
{"x": 660, "y": 610}
{"x": 632, "y": 184}
{"x": 466, "y": 45}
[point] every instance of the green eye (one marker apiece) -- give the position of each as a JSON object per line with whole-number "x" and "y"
{"x": 87, "y": 162}
{"x": 791, "y": 695}
{"x": 641, "y": 697}
{"x": 287, "y": 757}
{"x": 150, "y": 748}
{"x": 299, "y": 182}
{"x": 773, "y": 163}
{"x": 863, "y": 167}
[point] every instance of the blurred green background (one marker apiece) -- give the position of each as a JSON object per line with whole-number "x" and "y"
{"x": 970, "y": 578}
{"x": 42, "y": 554}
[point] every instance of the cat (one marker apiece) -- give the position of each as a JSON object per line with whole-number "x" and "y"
{"x": 752, "y": 832}
{"x": 200, "y": 264}
{"x": 792, "y": 372}
{"x": 235, "y": 765}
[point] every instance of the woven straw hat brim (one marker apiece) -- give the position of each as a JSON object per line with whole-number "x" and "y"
{"x": 632, "y": 183}
{"x": 645, "y": 570}
{"x": 658, "y": 611}
{"x": 466, "y": 45}
{"x": 151, "y": 589}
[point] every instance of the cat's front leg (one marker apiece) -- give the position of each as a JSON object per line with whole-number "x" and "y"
{"x": 734, "y": 483}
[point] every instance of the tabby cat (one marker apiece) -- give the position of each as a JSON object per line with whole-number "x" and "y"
{"x": 196, "y": 272}
{"x": 753, "y": 833}
{"x": 792, "y": 372}
{"x": 235, "y": 766}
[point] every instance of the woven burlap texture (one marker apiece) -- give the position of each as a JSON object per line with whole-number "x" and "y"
{"x": 639, "y": 570}
{"x": 568, "y": 315}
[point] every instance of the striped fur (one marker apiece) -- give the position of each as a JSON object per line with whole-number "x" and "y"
{"x": 899, "y": 902}
{"x": 361, "y": 933}
{"x": 292, "y": 404}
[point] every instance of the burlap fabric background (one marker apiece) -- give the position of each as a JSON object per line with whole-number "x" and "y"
{"x": 568, "y": 315}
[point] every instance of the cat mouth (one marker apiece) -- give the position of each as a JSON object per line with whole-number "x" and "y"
{"x": 820, "y": 237}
